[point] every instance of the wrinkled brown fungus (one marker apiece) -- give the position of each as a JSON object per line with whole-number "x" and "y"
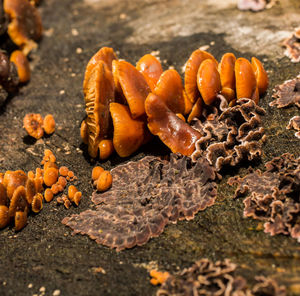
{"x": 295, "y": 124}
{"x": 172, "y": 131}
{"x": 25, "y": 25}
{"x": 287, "y": 93}
{"x": 145, "y": 196}
{"x": 292, "y": 45}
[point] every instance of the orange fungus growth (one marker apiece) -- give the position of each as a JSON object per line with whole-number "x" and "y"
{"x": 49, "y": 124}
{"x": 33, "y": 124}
{"x": 172, "y": 131}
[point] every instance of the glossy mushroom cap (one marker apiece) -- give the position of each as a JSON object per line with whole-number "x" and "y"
{"x": 245, "y": 79}
{"x": 151, "y": 68}
{"x": 196, "y": 110}
{"x": 191, "y": 70}
{"x": 99, "y": 92}
{"x": 261, "y": 75}
{"x": 170, "y": 89}
{"x": 22, "y": 64}
{"x": 134, "y": 87}
{"x": 208, "y": 81}
{"x": 25, "y": 26}
{"x": 129, "y": 133}
{"x": 227, "y": 76}
{"x": 106, "y": 55}
{"x": 12, "y": 180}
{"x": 173, "y": 132}
{"x": 18, "y": 202}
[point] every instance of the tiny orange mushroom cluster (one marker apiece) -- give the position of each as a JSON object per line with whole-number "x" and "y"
{"x": 22, "y": 193}
{"x": 124, "y": 103}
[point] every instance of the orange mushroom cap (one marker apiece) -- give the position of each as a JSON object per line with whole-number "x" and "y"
{"x": 20, "y": 220}
{"x": 134, "y": 87}
{"x": 18, "y": 201}
{"x": 188, "y": 105}
{"x": 208, "y": 81}
{"x": 151, "y": 68}
{"x": 196, "y": 110}
{"x": 104, "y": 54}
{"x": 4, "y": 216}
{"x": 129, "y": 133}
{"x": 173, "y": 132}
{"x": 244, "y": 78}
{"x": 12, "y": 180}
{"x": 99, "y": 92}
{"x": 227, "y": 76}
{"x": 170, "y": 89}
{"x": 25, "y": 25}
{"x": 3, "y": 196}
{"x": 22, "y": 64}
{"x": 261, "y": 75}
{"x": 191, "y": 70}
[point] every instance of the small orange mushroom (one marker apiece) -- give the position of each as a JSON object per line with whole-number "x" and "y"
{"x": 134, "y": 87}
{"x": 30, "y": 190}
{"x": 129, "y": 133}
{"x": 48, "y": 195}
{"x": 227, "y": 76}
{"x": 97, "y": 170}
{"x": 22, "y": 65}
{"x": 33, "y": 124}
{"x": 37, "y": 203}
{"x": 104, "y": 181}
{"x": 77, "y": 198}
{"x": 20, "y": 220}
{"x": 170, "y": 89}
{"x": 12, "y": 180}
{"x": 151, "y": 68}
{"x": 71, "y": 192}
{"x": 208, "y": 81}
{"x": 106, "y": 149}
{"x": 18, "y": 202}
{"x": 173, "y": 132}
{"x": 50, "y": 176}
{"x": 261, "y": 75}
{"x": 158, "y": 277}
{"x": 245, "y": 79}
{"x": 25, "y": 25}
{"x": 84, "y": 133}
{"x": 4, "y": 216}
{"x": 196, "y": 110}
{"x": 191, "y": 70}
{"x": 187, "y": 103}
{"x": 63, "y": 171}
{"x": 49, "y": 124}
{"x": 105, "y": 55}
{"x": 98, "y": 91}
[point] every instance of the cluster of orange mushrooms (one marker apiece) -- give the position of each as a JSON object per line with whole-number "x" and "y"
{"x": 22, "y": 22}
{"x": 123, "y": 102}
{"x": 21, "y": 193}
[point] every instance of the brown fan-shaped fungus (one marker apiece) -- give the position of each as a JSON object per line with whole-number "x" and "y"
{"x": 134, "y": 87}
{"x": 12, "y": 180}
{"x": 129, "y": 133}
{"x": 25, "y": 25}
{"x": 191, "y": 70}
{"x": 261, "y": 75}
{"x": 169, "y": 88}
{"x": 208, "y": 81}
{"x": 172, "y": 131}
{"x": 98, "y": 93}
{"x": 245, "y": 79}
{"x": 21, "y": 62}
{"x": 33, "y": 124}
{"x": 151, "y": 68}
{"x": 227, "y": 76}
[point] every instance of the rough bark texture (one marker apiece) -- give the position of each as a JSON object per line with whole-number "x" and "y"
{"x": 44, "y": 253}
